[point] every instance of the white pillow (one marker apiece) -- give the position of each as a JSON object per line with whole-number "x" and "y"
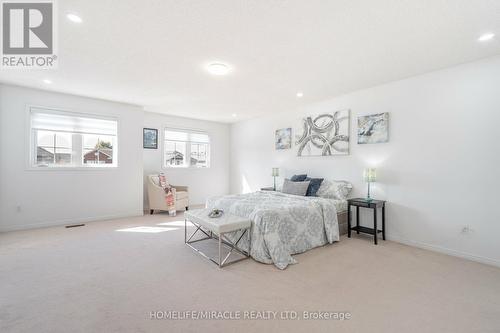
{"x": 334, "y": 189}
{"x": 296, "y": 188}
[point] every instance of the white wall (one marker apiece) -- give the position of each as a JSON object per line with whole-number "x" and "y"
{"x": 36, "y": 198}
{"x": 202, "y": 183}
{"x": 439, "y": 171}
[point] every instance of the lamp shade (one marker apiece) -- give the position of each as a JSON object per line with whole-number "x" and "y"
{"x": 276, "y": 172}
{"x": 370, "y": 175}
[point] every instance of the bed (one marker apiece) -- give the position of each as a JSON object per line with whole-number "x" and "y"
{"x": 284, "y": 224}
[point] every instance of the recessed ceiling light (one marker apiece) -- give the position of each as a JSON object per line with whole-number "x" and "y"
{"x": 74, "y": 18}
{"x": 218, "y": 68}
{"x": 300, "y": 94}
{"x": 47, "y": 81}
{"x": 486, "y": 37}
{"x": 234, "y": 115}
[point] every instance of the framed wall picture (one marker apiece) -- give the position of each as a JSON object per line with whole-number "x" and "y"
{"x": 150, "y": 138}
{"x": 283, "y": 138}
{"x": 324, "y": 134}
{"x": 373, "y": 128}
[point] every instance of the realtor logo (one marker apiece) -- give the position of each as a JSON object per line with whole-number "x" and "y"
{"x": 28, "y": 30}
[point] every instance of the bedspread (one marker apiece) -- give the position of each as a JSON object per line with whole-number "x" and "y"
{"x": 282, "y": 224}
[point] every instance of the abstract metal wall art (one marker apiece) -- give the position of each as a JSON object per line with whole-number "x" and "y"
{"x": 324, "y": 135}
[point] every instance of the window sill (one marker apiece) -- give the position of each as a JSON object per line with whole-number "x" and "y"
{"x": 33, "y": 168}
{"x": 185, "y": 168}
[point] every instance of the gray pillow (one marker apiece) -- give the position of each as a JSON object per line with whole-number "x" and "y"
{"x": 296, "y": 188}
{"x": 298, "y": 178}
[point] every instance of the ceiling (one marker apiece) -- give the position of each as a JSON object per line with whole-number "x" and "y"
{"x": 153, "y": 53}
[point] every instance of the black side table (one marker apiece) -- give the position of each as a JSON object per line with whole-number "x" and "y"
{"x": 373, "y": 204}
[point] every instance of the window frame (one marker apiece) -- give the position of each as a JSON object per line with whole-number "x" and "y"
{"x": 35, "y": 146}
{"x": 188, "y": 148}
{"x": 30, "y": 142}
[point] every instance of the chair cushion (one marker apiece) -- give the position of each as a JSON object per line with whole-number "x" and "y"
{"x": 179, "y": 195}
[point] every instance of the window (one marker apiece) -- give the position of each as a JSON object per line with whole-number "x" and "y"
{"x": 97, "y": 149}
{"x": 185, "y": 148}
{"x": 64, "y": 139}
{"x": 53, "y": 148}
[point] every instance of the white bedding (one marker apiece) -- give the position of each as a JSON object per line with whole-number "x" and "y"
{"x": 340, "y": 205}
{"x": 282, "y": 224}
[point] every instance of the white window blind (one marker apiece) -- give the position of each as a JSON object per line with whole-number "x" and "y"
{"x": 186, "y": 136}
{"x": 49, "y": 120}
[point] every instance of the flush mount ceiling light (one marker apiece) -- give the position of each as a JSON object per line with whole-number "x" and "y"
{"x": 218, "y": 68}
{"x": 47, "y": 81}
{"x": 300, "y": 94}
{"x": 234, "y": 115}
{"x": 486, "y": 37}
{"x": 74, "y": 18}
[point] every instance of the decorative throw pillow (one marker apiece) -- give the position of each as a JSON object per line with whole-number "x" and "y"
{"x": 334, "y": 189}
{"x": 162, "y": 180}
{"x": 296, "y": 188}
{"x": 298, "y": 178}
{"x": 314, "y": 185}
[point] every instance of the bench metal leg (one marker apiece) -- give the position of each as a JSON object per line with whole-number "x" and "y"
{"x": 221, "y": 239}
{"x": 220, "y": 251}
{"x": 233, "y": 247}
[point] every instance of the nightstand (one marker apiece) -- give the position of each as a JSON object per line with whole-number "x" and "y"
{"x": 372, "y": 204}
{"x": 267, "y": 188}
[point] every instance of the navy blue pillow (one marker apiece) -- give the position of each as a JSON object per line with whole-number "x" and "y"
{"x": 298, "y": 178}
{"x": 314, "y": 185}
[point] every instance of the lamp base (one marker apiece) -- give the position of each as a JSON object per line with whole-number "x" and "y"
{"x": 368, "y": 199}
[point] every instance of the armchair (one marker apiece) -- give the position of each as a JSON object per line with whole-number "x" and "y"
{"x": 156, "y": 195}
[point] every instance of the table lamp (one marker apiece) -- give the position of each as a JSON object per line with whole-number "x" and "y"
{"x": 370, "y": 176}
{"x": 275, "y": 173}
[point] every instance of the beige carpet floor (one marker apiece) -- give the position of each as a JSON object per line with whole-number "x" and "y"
{"x": 98, "y": 279}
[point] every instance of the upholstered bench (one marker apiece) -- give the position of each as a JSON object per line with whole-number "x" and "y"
{"x": 216, "y": 228}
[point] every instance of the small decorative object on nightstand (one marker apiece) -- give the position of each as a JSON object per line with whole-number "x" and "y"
{"x": 267, "y": 189}
{"x": 367, "y": 203}
{"x": 275, "y": 173}
{"x": 370, "y": 176}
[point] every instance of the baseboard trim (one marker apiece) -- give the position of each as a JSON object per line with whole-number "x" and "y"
{"x": 146, "y": 206}
{"x": 444, "y": 250}
{"x": 14, "y": 227}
